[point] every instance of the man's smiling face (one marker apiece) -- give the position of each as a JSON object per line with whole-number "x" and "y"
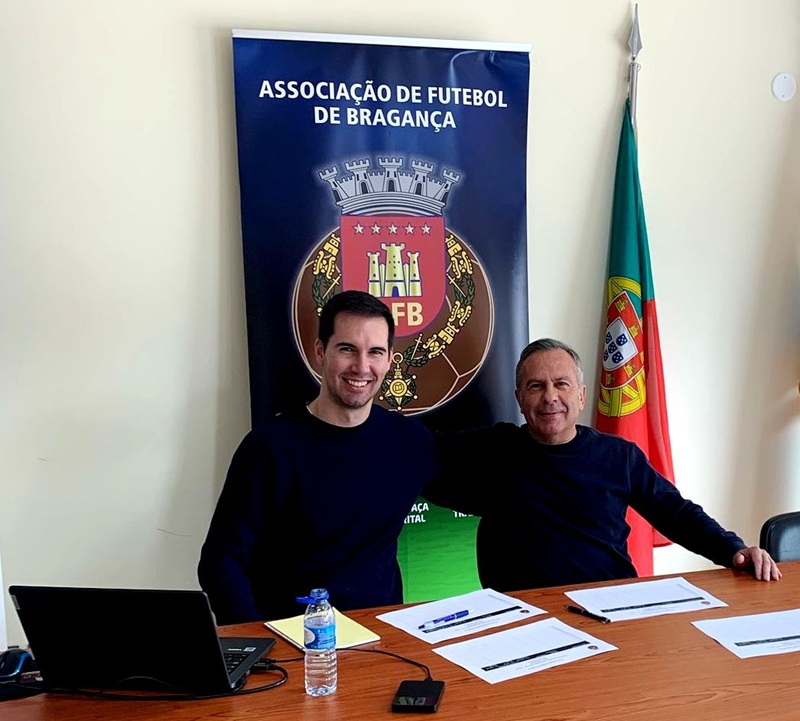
{"x": 550, "y": 395}
{"x": 354, "y": 361}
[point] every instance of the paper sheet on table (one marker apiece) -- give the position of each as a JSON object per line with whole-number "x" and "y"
{"x": 761, "y": 634}
{"x": 523, "y": 650}
{"x": 644, "y": 599}
{"x": 484, "y": 609}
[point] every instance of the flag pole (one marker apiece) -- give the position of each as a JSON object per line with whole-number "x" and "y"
{"x": 635, "y": 44}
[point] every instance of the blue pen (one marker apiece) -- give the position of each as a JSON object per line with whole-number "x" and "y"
{"x": 443, "y": 619}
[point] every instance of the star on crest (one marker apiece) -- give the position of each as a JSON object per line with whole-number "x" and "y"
{"x": 359, "y": 229}
{"x": 392, "y": 229}
{"x": 409, "y": 229}
{"x": 376, "y": 229}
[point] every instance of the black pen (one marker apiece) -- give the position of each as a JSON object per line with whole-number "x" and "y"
{"x": 583, "y": 612}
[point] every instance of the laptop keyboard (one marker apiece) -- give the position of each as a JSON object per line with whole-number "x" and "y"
{"x": 233, "y": 659}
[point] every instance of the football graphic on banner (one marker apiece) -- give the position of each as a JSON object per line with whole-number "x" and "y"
{"x": 393, "y": 242}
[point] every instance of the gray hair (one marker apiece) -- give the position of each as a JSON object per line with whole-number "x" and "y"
{"x": 543, "y": 344}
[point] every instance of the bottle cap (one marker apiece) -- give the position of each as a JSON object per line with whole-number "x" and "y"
{"x": 317, "y": 594}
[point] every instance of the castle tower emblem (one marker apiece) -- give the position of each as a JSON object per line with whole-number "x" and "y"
{"x": 392, "y": 234}
{"x": 392, "y": 242}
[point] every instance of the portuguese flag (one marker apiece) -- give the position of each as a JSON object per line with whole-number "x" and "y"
{"x": 631, "y": 400}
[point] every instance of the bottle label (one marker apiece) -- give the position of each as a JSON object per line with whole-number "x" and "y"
{"x": 320, "y": 638}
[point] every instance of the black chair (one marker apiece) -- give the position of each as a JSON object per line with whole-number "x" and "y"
{"x": 780, "y": 536}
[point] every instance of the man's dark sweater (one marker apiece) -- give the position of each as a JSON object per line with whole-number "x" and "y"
{"x": 307, "y": 505}
{"x": 555, "y": 514}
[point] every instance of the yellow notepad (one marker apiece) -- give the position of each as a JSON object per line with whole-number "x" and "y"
{"x": 348, "y": 632}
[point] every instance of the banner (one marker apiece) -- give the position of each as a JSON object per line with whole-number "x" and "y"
{"x": 396, "y": 167}
{"x": 632, "y": 401}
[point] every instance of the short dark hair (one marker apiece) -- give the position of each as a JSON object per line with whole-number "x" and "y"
{"x": 544, "y": 344}
{"x": 356, "y": 302}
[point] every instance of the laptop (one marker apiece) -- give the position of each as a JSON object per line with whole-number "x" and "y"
{"x": 113, "y": 638}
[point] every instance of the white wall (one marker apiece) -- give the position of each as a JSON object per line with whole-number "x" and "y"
{"x": 123, "y": 365}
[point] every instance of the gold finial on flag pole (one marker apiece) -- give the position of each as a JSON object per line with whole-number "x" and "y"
{"x": 635, "y": 44}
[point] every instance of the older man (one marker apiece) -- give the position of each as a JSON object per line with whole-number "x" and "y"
{"x": 553, "y": 504}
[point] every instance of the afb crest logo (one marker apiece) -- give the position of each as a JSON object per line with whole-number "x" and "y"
{"x": 393, "y": 242}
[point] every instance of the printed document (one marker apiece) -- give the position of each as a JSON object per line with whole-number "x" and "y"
{"x": 762, "y": 634}
{"x": 644, "y": 599}
{"x": 460, "y": 615}
{"x": 523, "y": 650}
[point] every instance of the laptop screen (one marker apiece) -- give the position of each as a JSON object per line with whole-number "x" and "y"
{"x": 100, "y": 638}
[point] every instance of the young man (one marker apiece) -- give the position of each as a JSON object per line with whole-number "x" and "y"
{"x": 553, "y": 511}
{"x": 317, "y": 496}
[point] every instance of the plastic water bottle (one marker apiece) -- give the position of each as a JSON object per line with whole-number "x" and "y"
{"x": 319, "y": 632}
